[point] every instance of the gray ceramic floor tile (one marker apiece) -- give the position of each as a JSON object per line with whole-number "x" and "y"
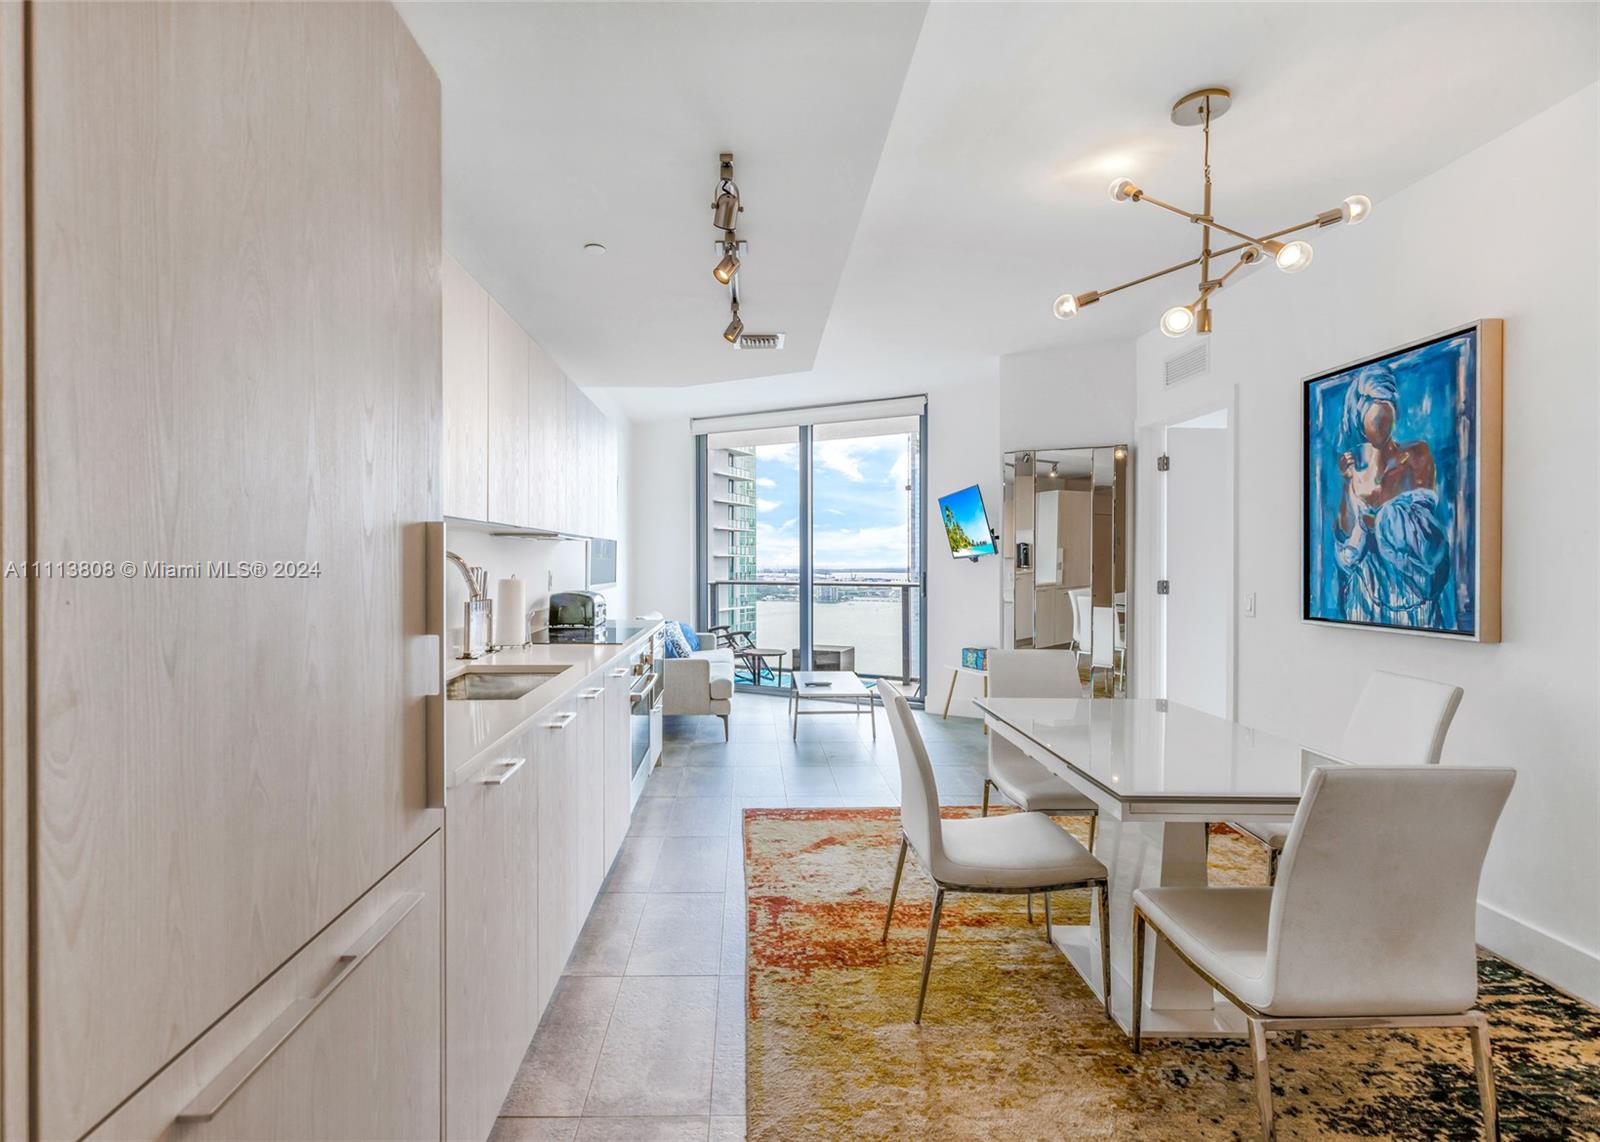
{"x": 663, "y": 782}
{"x": 607, "y": 936}
{"x": 534, "y": 1130}
{"x": 764, "y": 730}
{"x": 860, "y": 781}
{"x": 679, "y": 933}
{"x": 636, "y": 862}
{"x": 727, "y": 1074}
{"x": 691, "y": 864}
{"x": 706, "y": 781}
{"x": 812, "y": 782}
{"x": 700, "y": 816}
{"x": 650, "y": 817}
{"x": 659, "y": 1048}
{"x": 555, "y": 1074}
{"x": 688, "y": 1129}
{"x": 727, "y": 1129}
{"x": 752, "y": 783}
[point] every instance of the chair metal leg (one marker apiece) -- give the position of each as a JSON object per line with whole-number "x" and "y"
{"x": 899, "y": 867}
{"x": 927, "y": 958}
{"x": 1030, "y": 908}
{"x": 1483, "y": 1064}
{"x": 1047, "y": 917}
{"x": 1102, "y": 903}
{"x": 1258, "y": 1059}
{"x": 1138, "y": 979}
{"x": 1094, "y": 822}
{"x": 986, "y": 784}
{"x": 1272, "y": 865}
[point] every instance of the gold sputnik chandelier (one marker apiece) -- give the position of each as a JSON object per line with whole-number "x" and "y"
{"x": 1198, "y": 109}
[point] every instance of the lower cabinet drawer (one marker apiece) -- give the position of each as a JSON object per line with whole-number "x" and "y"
{"x": 341, "y": 1042}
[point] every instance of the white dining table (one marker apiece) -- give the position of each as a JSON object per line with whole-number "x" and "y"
{"x": 1159, "y": 772}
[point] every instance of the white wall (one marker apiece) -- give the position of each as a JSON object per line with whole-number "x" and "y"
{"x": 660, "y": 538}
{"x": 1067, "y": 398}
{"x": 1475, "y": 239}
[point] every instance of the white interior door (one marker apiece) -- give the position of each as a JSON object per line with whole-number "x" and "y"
{"x": 1198, "y": 545}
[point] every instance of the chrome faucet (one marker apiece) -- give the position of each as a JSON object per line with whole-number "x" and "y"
{"x": 478, "y": 614}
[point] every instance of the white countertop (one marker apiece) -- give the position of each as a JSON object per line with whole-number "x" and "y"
{"x": 473, "y": 728}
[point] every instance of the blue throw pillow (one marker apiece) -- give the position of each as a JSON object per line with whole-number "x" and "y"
{"x": 689, "y": 636}
{"x": 677, "y": 645}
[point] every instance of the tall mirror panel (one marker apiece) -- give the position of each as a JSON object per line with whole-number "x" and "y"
{"x": 1065, "y": 525}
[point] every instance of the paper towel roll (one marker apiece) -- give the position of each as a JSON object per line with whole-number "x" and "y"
{"x": 510, "y": 613}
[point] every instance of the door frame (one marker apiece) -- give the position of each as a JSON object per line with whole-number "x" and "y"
{"x": 1151, "y": 667}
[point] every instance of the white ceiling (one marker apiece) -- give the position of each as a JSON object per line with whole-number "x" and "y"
{"x": 566, "y": 124}
{"x": 996, "y": 144}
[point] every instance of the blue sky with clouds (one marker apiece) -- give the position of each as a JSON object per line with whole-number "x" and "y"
{"x": 861, "y": 516}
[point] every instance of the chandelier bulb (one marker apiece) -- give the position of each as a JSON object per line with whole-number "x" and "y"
{"x": 1292, "y": 257}
{"x": 1122, "y": 189}
{"x": 1356, "y": 208}
{"x": 1066, "y": 306}
{"x": 1178, "y": 320}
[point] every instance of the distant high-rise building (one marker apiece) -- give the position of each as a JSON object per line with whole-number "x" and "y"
{"x": 731, "y": 510}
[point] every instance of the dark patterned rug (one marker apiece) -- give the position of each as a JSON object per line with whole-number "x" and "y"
{"x": 1015, "y": 1046}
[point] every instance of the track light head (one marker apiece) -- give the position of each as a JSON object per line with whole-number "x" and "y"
{"x": 725, "y": 210}
{"x": 728, "y": 266}
{"x": 1178, "y": 320}
{"x": 735, "y": 327}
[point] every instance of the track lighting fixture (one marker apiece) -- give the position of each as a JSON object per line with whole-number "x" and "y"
{"x": 1198, "y": 109}
{"x": 725, "y": 208}
{"x": 735, "y": 327}
{"x": 729, "y": 265}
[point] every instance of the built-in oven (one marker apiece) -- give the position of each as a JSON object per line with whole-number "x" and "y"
{"x": 645, "y": 699}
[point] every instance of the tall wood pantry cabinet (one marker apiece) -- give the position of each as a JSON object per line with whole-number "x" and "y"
{"x": 221, "y": 413}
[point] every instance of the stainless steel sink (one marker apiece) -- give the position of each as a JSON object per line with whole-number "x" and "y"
{"x": 496, "y": 685}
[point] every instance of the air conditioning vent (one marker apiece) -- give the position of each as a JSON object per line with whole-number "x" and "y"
{"x": 760, "y": 341}
{"x": 1188, "y": 364}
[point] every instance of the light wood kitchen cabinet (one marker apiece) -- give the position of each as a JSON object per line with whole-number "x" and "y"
{"x": 361, "y": 1004}
{"x": 235, "y": 354}
{"x": 492, "y": 995}
{"x": 546, "y": 407}
{"x": 557, "y": 757}
{"x": 466, "y": 393}
{"x": 524, "y": 446}
{"x": 508, "y": 418}
{"x": 618, "y": 764}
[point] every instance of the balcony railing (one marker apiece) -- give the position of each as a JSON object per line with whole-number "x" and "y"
{"x": 876, "y": 619}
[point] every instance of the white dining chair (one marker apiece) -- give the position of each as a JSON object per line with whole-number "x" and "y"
{"x": 1397, "y": 720}
{"x": 1103, "y": 650}
{"x": 1013, "y": 774}
{"x": 1019, "y": 852}
{"x": 1371, "y": 923}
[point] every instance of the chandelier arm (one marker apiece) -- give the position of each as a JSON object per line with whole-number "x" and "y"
{"x": 1195, "y": 261}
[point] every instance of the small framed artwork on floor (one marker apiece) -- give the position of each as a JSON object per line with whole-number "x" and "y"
{"x": 1402, "y": 488}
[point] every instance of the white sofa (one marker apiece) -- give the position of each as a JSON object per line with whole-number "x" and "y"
{"x": 701, "y": 683}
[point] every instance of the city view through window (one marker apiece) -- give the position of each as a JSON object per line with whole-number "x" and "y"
{"x": 866, "y": 613}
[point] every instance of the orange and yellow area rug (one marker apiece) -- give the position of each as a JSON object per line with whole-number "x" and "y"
{"x": 1013, "y": 1045}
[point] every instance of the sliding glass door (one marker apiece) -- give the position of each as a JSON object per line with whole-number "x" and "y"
{"x": 812, "y": 546}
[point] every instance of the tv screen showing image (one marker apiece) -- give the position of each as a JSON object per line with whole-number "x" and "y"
{"x": 966, "y": 523}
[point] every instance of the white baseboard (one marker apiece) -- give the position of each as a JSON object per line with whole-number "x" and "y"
{"x": 1556, "y": 961}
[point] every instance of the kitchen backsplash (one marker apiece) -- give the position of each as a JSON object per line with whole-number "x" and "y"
{"x": 544, "y": 565}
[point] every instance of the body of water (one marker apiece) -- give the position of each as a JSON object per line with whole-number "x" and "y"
{"x": 870, "y": 625}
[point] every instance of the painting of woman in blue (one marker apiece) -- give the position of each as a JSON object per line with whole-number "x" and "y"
{"x": 1389, "y": 450}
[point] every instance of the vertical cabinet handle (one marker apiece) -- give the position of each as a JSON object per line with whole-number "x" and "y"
{"x": 504, "y": 768}
{"x": 215, "y": 1096}
{"x": 561, "y": 720}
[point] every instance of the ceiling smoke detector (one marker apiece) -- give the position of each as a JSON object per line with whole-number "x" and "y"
{"x": 759, "y": 341}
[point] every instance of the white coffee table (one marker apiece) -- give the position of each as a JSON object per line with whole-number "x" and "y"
{"x": 830, "y": 687}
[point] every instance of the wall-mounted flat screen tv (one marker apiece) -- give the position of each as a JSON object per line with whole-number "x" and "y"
{"x": 966, "y": 523}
